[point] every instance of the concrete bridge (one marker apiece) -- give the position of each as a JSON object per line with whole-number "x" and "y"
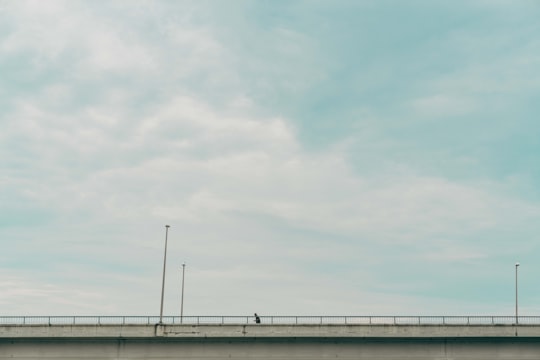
{"x": 381, "y": 338}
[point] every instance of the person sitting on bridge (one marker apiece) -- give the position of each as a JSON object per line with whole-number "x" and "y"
{"x": 257, "y": 319}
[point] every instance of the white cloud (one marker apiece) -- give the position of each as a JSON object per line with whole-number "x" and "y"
{"x": 250, "y": 207}
{"x": 443, "y": 105}
{"x": 22, "y": 296}
{"x": 210, "y": 173}
{"x": 214, "y": 163}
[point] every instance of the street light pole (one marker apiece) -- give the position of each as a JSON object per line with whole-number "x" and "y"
{"x": 182, "y": 301}
{"x": 517, "y": 265}
{"x": 163, "y": 281}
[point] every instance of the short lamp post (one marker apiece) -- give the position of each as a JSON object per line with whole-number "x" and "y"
{"x": 182, "y": 300}
{"x": 163, "y": 281}
{"x": 517, "y": 265}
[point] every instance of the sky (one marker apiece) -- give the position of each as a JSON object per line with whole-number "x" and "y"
{"x": 311, "y": 157}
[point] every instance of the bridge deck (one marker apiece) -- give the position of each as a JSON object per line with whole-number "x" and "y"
{"x": 268, "y": 331}
{"x": 270, "y": 342}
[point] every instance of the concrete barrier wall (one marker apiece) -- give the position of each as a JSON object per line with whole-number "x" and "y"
{"x": 270, "y": 342}
{"x": 264, "y": 331}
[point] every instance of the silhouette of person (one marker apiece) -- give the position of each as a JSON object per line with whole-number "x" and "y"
{"x": 257, "y": 319}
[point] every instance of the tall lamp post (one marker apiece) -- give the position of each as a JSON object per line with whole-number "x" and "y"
{"x": 517, "y": 265}
{"x": 163, "y": 281}
{"x": 182, "y": 301}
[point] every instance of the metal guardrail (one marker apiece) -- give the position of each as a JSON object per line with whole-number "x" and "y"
{"x": 270, "y": 320}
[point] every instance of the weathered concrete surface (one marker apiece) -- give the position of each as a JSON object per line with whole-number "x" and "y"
{"x": 267, "y": 331}
{"x": 272, "y": 348}
{"x": 380, "y": 342}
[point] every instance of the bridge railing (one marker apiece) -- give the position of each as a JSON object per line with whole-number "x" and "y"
{"x": 270, "y": 320}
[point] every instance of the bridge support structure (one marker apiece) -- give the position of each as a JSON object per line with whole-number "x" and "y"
{"x": 381, "y": 342}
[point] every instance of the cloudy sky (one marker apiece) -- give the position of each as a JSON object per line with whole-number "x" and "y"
{"x": 312, "y": 157}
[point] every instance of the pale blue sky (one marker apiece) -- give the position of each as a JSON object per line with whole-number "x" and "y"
{"x": 311, "y": 157}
